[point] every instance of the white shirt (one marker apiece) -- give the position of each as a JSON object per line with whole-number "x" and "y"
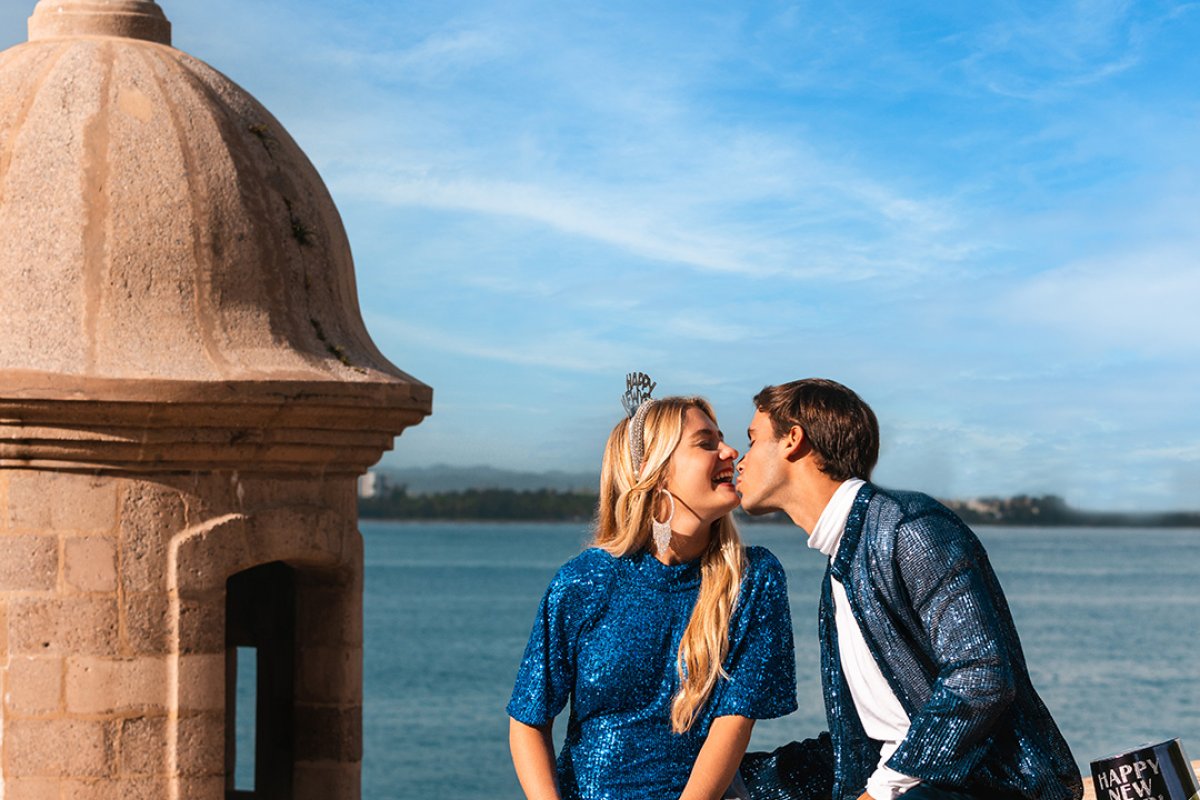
{"x": 883, "y": 718}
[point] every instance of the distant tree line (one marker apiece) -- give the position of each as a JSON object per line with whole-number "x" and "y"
{"x": 1051, "y": 510}
{"x": 493, "y": 504}
{"x": 552, "y": 505}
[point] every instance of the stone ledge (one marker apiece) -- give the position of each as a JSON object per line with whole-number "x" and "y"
{"x": 252, "y": 427}
{"x": 129, "y": 19}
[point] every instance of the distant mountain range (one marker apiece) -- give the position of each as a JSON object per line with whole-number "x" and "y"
{"x": 441, "y": 478}
{"x": 492, "y": 493}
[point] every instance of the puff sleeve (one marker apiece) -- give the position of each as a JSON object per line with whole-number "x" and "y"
{"x": 762, "y": 661}
{"x": 546, "y": 676}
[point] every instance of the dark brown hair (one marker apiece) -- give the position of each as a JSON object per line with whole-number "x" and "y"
{"x": 841, "y": 428}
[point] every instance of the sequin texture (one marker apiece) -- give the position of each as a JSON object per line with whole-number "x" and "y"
{"x": 605, "y": 639}
{"x": 932, "y": 611}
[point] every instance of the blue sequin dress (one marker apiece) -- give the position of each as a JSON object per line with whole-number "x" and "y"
{"x": 606, "y": 638}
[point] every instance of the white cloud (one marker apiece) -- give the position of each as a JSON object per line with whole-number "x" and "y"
{"x": 439, "y": 57}
{"x": 1141, "y": 302}
{"x": 571, "y": 350}
{"x": 1054, "y": 49}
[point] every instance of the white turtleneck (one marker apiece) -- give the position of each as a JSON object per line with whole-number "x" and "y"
{"x": 883, "y": 718}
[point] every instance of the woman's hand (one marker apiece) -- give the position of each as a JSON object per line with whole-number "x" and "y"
{"x": 533, "y": 757}
{"x": 719, "y": 758}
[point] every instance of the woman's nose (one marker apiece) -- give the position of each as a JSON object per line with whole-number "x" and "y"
{"x": 729, "y": 453}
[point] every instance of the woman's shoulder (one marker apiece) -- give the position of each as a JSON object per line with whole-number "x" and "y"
{"x": 760, "y": 559}
{"x": 590, "y": 570}
{"x": 762, "y": 567}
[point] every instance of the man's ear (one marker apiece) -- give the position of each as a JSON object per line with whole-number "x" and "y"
{"x": 795, "y": 443}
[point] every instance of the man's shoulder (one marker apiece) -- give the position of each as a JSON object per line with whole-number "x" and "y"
{"x": 916, "y": 521}
{"x": 904, "y": 504}
{"x": 918, "y": 514}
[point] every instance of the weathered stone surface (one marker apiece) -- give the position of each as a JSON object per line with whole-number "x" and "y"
{"x": 202, "y": 683}
{"x": 91, "y": 790}
{"x": 329, "y": 613}
{"x": 34, "y": 685}
{"x": 146, "y": 623}
{"x": 202, "y": 625}
{"x": 211, "y": 788}
{"x": 28, "y": 563}
{"x": 90, "y": 564}
{"x": 143, "y": 746}
{"x": 151, "y": 514}
{"x": 79, "y": 625}
{"x": 3, "y": 500}
{"x": 156, "y": 787}
{"x": 328, "y": 733}
{"x": 49, "y": 501}
{"x": 58, "y": 747}
{"x": 168, "y": 181}
{"x": 201, "y": 745}
{"x": 133, "y": 19}
{"x": 31, "y": 789}
{"x": 329, "y": 675}
{"x": 109, "y": 686}
{"x": 320, "y": 782}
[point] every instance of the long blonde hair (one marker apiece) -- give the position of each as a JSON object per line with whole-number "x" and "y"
{"x": 623, "y": 527}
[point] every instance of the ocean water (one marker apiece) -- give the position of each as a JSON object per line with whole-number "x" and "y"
{"x": 1108, "y": 620}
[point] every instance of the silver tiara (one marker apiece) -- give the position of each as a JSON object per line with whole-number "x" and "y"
{"x": 637, "y": 402}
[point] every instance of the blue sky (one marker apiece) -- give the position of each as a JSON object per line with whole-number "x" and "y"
{"x": 983, "y": 217}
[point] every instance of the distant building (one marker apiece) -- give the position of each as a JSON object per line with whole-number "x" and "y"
{"x": 372, "y": 484}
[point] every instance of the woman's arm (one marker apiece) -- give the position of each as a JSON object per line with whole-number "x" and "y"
{"x": 533, "y": 757}
{"x": 719, "y": 758}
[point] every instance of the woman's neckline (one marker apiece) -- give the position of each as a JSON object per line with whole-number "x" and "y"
{"x": 669, "y": 577}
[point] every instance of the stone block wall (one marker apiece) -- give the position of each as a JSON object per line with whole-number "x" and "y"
{"x": 112, "y": 629}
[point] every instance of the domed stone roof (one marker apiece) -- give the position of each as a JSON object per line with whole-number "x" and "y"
{"x": 171, "y": 260}
{"x": 158, "y": 224}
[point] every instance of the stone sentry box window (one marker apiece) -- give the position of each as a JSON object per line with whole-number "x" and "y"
{"x": 260, "y": 621}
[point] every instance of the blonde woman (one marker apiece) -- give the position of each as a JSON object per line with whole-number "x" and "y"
{"x": 668, "y": 636}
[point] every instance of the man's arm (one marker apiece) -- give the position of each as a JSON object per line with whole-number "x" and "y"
{"x": 533, "y": 757}
{"x": 945, "y": 575}
{"x": 719, "y": 758}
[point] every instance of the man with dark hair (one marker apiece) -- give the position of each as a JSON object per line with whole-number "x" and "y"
{"x": 926, "y": 690}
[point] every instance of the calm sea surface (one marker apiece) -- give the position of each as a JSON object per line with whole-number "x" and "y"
{"x": 1108, "y": 620}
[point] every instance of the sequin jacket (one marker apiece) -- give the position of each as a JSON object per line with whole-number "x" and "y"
{"x": 934, "y": 615}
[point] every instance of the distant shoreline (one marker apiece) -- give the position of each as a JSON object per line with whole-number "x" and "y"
{"x": 550, "y": 505}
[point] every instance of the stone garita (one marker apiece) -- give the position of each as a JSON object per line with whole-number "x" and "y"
{"x": 187, "y": 394}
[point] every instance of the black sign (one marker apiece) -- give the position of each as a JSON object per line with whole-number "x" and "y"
{"x": 1149, "y": 772}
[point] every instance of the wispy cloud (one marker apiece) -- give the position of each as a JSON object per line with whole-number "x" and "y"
{"x": 1142, "y": 302}
{"x": 573, "y": 351}
{"x": 1046, "y": 50}
{"x": 783, "y": 214}
{"x": 439, "y": 57}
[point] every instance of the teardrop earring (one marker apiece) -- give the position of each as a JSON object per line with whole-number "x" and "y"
{"x": 661, "y": 531}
